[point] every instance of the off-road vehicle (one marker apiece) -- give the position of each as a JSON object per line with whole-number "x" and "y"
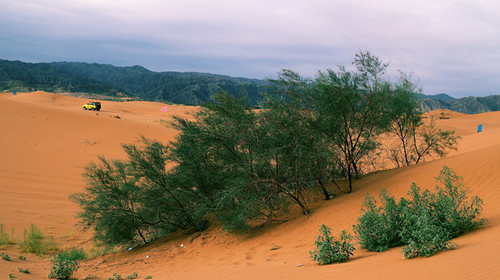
{"x": 92, "y": 105}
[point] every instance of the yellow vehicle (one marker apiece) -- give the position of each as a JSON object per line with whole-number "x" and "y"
{"x": 92, "y": 105}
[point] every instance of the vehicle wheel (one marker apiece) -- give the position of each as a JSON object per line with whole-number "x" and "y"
{"x": 84, "y": 108}
{"x": 92, "y": 109}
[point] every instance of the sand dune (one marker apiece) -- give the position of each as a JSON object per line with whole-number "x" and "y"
{"x": 47, "y": 139}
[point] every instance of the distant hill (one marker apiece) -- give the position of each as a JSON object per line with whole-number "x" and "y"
{"x": 442, "y": 96}
{"x": 20, "y": 76}
{"x": 184, "y": 88}
{"x": 467, "y": 105}
{"x": 191, "y": 88}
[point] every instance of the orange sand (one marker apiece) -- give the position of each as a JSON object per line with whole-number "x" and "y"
{"x": 47, "y": 139}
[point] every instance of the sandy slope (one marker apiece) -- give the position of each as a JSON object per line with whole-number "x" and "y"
{"x": 46, "y": 140}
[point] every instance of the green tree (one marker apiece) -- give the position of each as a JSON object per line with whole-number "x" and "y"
{"x": 352, "y": 110}
{"x": 417, "y": 140}
{"x": 132, "y": 200}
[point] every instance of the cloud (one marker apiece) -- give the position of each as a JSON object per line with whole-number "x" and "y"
{"x": 451, "y": 46}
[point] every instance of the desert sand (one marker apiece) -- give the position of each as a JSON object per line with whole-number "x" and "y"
{"x": 46, "y": 140}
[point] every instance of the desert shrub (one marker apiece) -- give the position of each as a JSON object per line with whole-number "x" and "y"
{"x": 329, "y": 250}
{"x": 378, "y": 228}
{"x": 63, "y": 267}
{"x": 426, "y": 238}
{"x": 35, "y": 241}
{"x": 135, "y": 200}
{"x": 454, "y": 210}
{"x": 425, "y": 223}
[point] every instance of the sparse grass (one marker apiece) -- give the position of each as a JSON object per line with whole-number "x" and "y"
{"x": 90, "y": 276}
{"x": 11, "y": 276}
{"x": 23, "y": 258}
{"x": 275, "y": 247}
{"x": 148, "y": 277}
{"x": 116, "y": 117}
{"x": 164, "y": 122}
{"x": 36, "y": 242}
{"x": 4, "y": 237}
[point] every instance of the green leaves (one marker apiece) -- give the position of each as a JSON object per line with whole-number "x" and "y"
{"x": 329, "y": 250}
{"x": 425, "y": 223}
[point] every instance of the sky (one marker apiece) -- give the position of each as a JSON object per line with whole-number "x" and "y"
{"x": 450, "y": 47}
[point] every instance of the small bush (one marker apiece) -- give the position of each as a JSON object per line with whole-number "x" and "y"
{"x": 63, "y": 267}
{"x": 378, "y": 228}
{"x": 23, "y": 270}
{"x": 36, "y": 242}
{"x": 132, "y": 276}
{"x": 5, "y": 257}
{"x": 148, "y": 277}
{"x": 23, "y": 258}
{"x": 328, "y": 250}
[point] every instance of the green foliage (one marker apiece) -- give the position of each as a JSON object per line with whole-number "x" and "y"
{"x": 34, "y": 241}
{"x": 134, "y": 275}
{"x": 23, "y": 258}
{"x": 425, "y": 223}
{"x": 63, "y": 266}
{"x": 116, "y": 276}
{"x": 23, "y": 270}
{"x": 416, "y": 140}
{"x": 329, "y": 250}
{"x": 379, "y": 228}
{"x": 133, "y": 201}
{"x": 11, "y": 276}
{"x": 352, "y": 110}
{"x": 5, "y": 257}
{"x": 148, "y": 277}
{"x": 453, "y": 208}
{"x": 4, "y": 237}
{"x": 73, "y": 254}
{"x": 247, "y": 167}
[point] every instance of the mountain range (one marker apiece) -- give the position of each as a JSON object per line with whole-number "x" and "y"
{"x": 190, "y": 88}
{"x": 467, "y": 105}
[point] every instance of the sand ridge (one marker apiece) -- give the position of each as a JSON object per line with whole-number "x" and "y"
{"x": 47, "y": 139}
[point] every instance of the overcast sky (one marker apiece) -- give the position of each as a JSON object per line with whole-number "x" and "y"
{"x": 451, "y": 47}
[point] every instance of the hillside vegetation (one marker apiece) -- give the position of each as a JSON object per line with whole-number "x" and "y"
{"x": 182, "y": 88}
{"x": 467, "y": 105}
